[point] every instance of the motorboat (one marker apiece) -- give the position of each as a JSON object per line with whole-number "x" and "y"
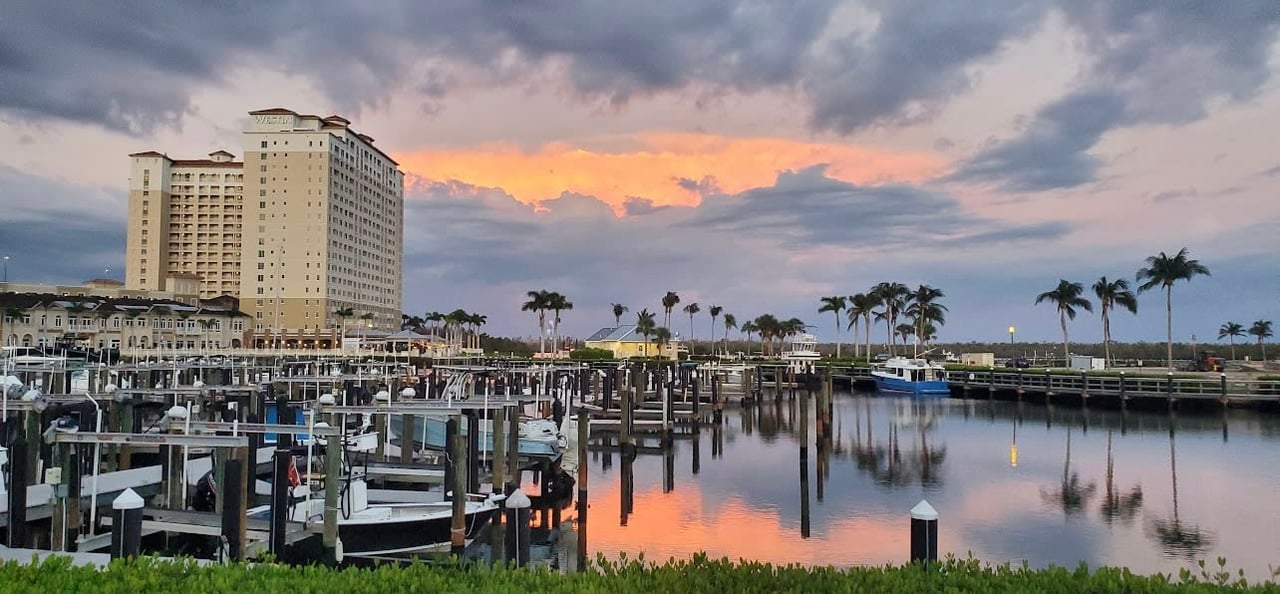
{"x": 15, "y": 356}
{"x": 917, "y": 377}
{"x": 803, "y": 354}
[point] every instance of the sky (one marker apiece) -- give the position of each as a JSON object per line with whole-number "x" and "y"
{"x": 749, "y": 154}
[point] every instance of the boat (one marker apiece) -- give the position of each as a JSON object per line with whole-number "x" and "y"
{"x": 917, "y": 377}
{"x": 369, "y": 528}
{"x": 539, "y": 438}
{"x": 803, "y": 354}
{"x": 14, "y": 356}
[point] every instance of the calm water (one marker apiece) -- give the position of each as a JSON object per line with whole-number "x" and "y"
{"x": 1011, "y": 482}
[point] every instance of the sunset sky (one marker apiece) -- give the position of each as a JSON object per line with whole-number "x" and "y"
{"x": 754, "y": 155}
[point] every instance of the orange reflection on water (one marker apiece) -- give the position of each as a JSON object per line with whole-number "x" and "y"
{"x": 681, "y": 523}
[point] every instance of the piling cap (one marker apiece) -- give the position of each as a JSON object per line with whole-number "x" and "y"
{"x": 177, "y": 413}
{"x": 127, "y": 500}
{"x": 197, "y": 384}
{"x": 382, "y": 395}
{"x": 327, "y": 399}
{"x": 924, "y": 511}
{"x": 408, "y": 393}
{"x": 518, "y": 500}
{"x": 110, "y": 388}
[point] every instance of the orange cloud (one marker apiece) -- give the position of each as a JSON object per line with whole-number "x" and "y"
{"x": 651, "y": 165}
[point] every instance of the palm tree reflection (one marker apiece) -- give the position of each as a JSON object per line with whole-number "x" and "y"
{"x": 887, "y": 463}
{"x": 1117, "y": 505}
{"x": 1071, "y": 495}
{"x": 1177, "y": 539}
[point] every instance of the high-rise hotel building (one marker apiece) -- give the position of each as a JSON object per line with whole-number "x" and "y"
{"x": 318, "y": 228}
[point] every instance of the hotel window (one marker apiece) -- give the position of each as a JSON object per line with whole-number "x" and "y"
{"x": 264, "y": 144}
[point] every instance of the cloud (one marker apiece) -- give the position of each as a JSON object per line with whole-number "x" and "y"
{"x": 762, "y": 249}
{"x": 666, "y": 168}
{"x": 1271, "y": 172}
{"x": 132, "y": 67}
{"x": 912, "y": 62}
{"x": 1171, "y": 195}
{"x": 806, "y": 207}
{"x": 1051, "y": 153}
{"x": 42, "y": 214}
{"x": 1143, "y": 56}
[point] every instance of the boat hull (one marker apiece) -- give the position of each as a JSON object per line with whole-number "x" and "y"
{"x": 385, "y": 538}
{"x": 920, "y": 388}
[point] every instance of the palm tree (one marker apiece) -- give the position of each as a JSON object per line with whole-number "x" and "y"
{"x": 477, "y": 321}
{"x": 730, "y": 322}
{"x": 748, "y": 328}
{"x": 1231, "y": 331}
{"x": 557, "y": 303}
{"x": 835, "y": 305}
{"x": 645, "y": 325}
{"x": 11, "y": 312}
{"x": 1111, "y": 294}
{"x": 1163, "y": 271}
{"x": 691, "y": 309}
{"x": 1067, "y": 297}
{"x": 893, "y": 297}
{"x": 618, "y": 310}
{"x": 669, "y": 302}
{"x": 435, "y": 318}
{"x": 923, "y": 308}
{"x": 904, "y": 331}
{"x": 538, "y": 303}
{"x": 1261, "y": 330}
{"x": 768, "y": 327}
{"x": 343, "y": 314}
{"x": 663, "y": 336}
{"x": 715, "y": 313}
{"x": 863, "y": 305}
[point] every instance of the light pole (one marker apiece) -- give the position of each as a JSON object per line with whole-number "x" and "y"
{"x": 6, "y": 269}
{"x": 1011, "y": 330}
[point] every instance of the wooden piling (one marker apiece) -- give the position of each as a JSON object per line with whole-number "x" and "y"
{"x": 499, "y": 448}
{"x": 458, "y": 531}
{"x": 584, "y": 435}
{"x": 332, "y": 480}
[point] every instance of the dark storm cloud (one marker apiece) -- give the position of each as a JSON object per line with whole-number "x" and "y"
{"x": 57, "y": 232}
{"x": 912, "y": 62}
{"x": 805, "y": 208}
{"x": 132, "y": 65}
{"x": 1052, "y": 152}
{"x": 1156, "y": 63}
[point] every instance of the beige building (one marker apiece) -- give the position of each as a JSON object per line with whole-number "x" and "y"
{"x": 184, "y": 218}
{"x": 56, "y": 321}
{"x": 323, "y": 228}
{"x": 310, "y": 223}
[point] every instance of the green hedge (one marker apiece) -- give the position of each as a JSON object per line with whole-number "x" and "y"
{"x": 590, "y": 354}
{"x": 696, "y": 575}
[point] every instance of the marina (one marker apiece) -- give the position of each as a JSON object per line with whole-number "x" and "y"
{"x": 330, "y": 474}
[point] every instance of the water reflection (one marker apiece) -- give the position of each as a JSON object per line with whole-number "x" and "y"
{"x": 1071, "y": 495}
{"x": 1117, "y": 504}
{"x": 1012, "y": 481}
{"x": 1178, "y": 539}
{"x": 885, "y": 460}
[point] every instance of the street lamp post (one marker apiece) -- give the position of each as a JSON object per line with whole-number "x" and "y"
{"x": 6, "y": 269}
{"x": 1011, "y": 330}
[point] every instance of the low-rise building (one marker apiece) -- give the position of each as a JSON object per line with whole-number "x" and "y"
{"x": 624, "y": 341}
{"x": 50, "y": 320}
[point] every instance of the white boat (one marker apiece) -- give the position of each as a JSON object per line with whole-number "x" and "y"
{"x": 367, "y": 528}
{"x": 24, "y": 355}
{"x": 803, "y": 353}
{"x": 917, "y": 377}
